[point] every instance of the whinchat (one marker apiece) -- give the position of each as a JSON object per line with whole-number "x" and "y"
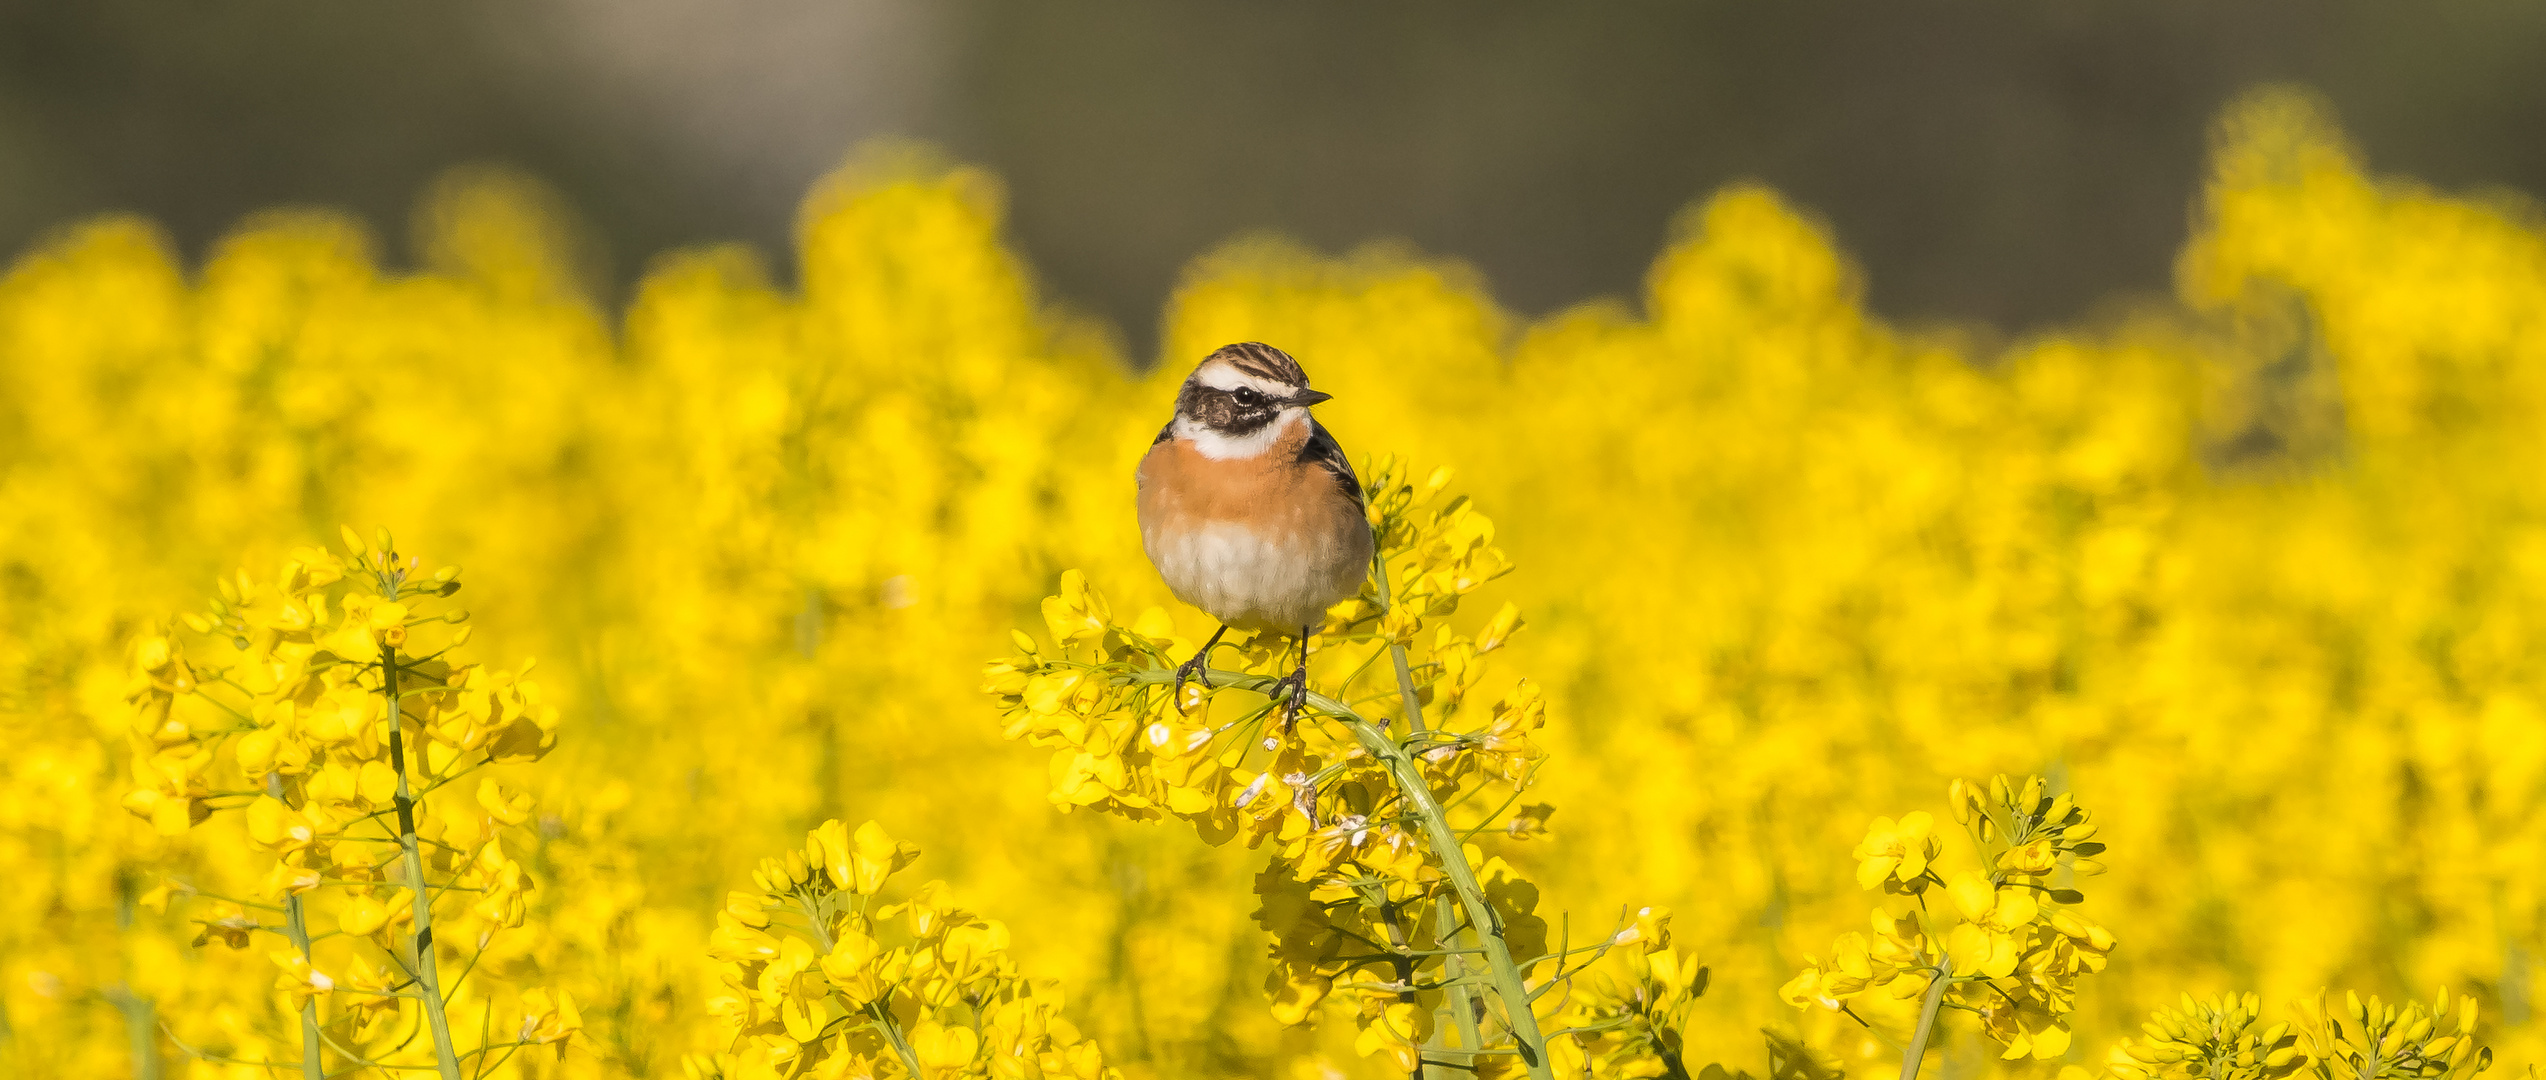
{"x": 1248, "y": 507}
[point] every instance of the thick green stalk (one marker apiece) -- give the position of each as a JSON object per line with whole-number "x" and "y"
{"x": 1445, "y": 915}
{"x": 1917, "y": 1051}
{"x": 427, "y": 972}
{"x": 1445, "y": 918}
{"x": 296, "y": 927}
{"x": 1509, "y": 985}
{"x": 1508, "y": 982}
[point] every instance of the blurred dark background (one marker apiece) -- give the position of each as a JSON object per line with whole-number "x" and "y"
{"x": 2007, "y": 161}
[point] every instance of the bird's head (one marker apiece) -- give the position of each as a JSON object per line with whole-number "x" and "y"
{"x": 1242, "y": 394}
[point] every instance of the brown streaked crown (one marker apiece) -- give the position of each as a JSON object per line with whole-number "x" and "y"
{"x": 1244, "y": 410}
{"x": 1260, "y": 360}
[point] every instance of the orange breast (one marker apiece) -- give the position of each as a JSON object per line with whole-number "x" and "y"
{"x": 1272, "y": 493}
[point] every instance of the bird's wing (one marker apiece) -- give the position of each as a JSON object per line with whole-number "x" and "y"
{"x": 1323, "y": 451}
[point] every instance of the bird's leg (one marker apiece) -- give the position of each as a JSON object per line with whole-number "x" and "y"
{"x": 1197, "y": 669}
{"x": 1291, "y": 690}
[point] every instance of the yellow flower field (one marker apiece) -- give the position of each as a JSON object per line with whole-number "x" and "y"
{"x": 713, "y": 781}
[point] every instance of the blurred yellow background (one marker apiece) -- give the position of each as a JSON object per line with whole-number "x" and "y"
{"x": 2255, "y": 572}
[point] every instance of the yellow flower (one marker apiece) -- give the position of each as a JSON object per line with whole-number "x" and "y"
{"x": 943, "y": 1047}
{"x": 1895, "y": 855}
{"x": 362, "y": 916}
{"x": 300, "y": 979}
{"x": 548, "y": 1019}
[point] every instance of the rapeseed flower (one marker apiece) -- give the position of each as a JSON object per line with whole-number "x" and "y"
{"x": 2255, "y": 566}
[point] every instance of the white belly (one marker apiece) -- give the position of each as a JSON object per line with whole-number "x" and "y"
{"x": 1249, "y": 582}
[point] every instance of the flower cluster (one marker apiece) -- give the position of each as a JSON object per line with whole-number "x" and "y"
{"x": 2221, "y": 1038}
{"x": 2384, "y": 1041}
{"x": 2213, "y": 1038}
{"x": 1371, "y": 878}
{"x": 821, "y": 978}
{"x": 1101, "y": 699}
{"x": 330, "y": 712}
{"x": 2014, "y": 956}
{"x": 1631, "y": 1022}
{"x": 1781, "y": 550}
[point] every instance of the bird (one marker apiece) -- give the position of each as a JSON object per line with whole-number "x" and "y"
{"x": 1249, "y": 509}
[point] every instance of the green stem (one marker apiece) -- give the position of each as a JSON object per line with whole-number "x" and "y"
{"x": 1406, "y": 695}
{"x": 1508, "y": 982}
{"x": 427, "y": 971}
{"x": 1917, "y": 1052}
{"x": 1403, "y": 969}
{"x": 141, "y": 1014}
{"x": 1462, "y": 1004}
{"x": 1445, "y": 918}
{"x": 882, "y": 1009}
{"x": 1509, "y": 985}
{"x": 296, "y": 927}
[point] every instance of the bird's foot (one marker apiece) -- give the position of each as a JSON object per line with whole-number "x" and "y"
{"x": 1291, "y": 693}
{"x": 1198, "y": 669}
{"x": 1195, "y": 670}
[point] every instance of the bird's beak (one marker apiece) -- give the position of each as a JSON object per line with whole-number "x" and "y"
{"x": 1306, "y": 398}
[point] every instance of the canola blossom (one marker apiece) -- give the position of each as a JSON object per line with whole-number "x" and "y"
{"x": 2241, "y": 589}
{"x": 813, "y": 990}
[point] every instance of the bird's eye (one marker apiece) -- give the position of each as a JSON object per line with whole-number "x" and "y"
{"x": 1247, "y": 396}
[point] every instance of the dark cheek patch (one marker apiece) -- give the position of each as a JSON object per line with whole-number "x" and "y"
{"x": 1219, "y": 410}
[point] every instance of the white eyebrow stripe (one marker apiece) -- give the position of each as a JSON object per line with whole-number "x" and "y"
{"x": 1221, "y": 375}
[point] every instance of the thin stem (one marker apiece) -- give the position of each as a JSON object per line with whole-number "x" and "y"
{"x": 296, "y": 927}
{"x": 1917, "y": 1051}
{"x": 141, "y": 1014}
{"x": 1406, "y": 695}
{"x": 882, "y": 1009}
{"x": 1407, "y": 773}
{"x": 1498, "y": 953}
{"x": 1391, "y": 918}
{"x": 427, "y": 971}
{"x": 1462, "y": 1004}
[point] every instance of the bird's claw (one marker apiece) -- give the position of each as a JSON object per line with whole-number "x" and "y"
{"x": 1191, "y": 669}
{"x": 1291, "y": 691}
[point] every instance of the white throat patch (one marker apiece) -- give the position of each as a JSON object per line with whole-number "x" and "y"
{"x": 1220, "y": 447}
